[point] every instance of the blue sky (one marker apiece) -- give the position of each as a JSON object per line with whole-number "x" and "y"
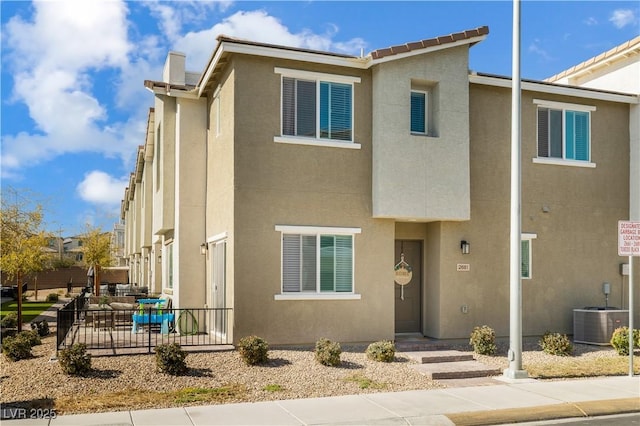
{"x": 74, "y": 106}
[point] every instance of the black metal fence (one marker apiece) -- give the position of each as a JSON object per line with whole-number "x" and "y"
{"x": 67, "y": 317}
{"x": 114, "y": 331}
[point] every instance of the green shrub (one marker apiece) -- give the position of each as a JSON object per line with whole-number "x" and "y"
{"x": 253, "y": 350}
{"x": 52, "y": 297}
{"x": 556, "y": 344}
{"x": 42, "y": 327}
{"x": 383, "y": 351}
{"x": 483, "y": 340}
{"x": 328, "y": 352}
{"x": 10, "y": 320}
{"x": 620, "y": 340}
{"x": 30, "y": 336}
{"x": 16, "y": 348}
{"x": 75, "y": 360}
{"x": 170, "y": 359}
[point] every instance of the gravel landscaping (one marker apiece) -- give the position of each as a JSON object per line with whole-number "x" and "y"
{"x": 132, "y": 382}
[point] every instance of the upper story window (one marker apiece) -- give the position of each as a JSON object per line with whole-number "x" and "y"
{"x": 564, "y": 132}
{"x": 317, "y": 108}
{"x": 419, "y": 112}
{"x": 317, "y": 262}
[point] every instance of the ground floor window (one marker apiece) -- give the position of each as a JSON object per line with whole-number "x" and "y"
{"x": 317, "y": 260}
{"x": 525, "y": 247}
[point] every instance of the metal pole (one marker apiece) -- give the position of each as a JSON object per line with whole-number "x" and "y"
{"x": 631, "y": 316}
{"x": 515, "y": 370}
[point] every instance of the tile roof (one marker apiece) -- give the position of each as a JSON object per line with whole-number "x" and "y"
{"x": 430, "y": 42}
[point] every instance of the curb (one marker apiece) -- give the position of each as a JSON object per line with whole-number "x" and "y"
{"x": 547, "y": 412}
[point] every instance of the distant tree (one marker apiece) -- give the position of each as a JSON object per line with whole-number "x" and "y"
{"x": 22, "y": 241}
{"x": 96, "y": 249}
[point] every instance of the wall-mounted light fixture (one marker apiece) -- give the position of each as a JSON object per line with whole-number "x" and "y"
{"x": 465, "y": 247}
{"x": 203, "y": 249}
{"x": 159, "y": 258}
{"x": 146, "y": 259}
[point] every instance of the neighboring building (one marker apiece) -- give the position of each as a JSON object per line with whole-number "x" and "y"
{"x": 73, "y": 249}
{"x": 117, "y": 244}
{"x": 312, "y": 181}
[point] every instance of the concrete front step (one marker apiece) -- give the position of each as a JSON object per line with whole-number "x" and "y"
{"x": 420, "y": 345}
{"x": 431, "y": 357}
{"x": 456, "y": 370}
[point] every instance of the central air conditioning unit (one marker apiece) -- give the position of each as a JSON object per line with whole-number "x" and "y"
{"x": 595, "y": 325}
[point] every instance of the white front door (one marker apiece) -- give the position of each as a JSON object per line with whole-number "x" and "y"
{"x": 218, "y": 287}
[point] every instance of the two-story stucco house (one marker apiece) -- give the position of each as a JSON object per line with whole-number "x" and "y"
{"x": 356, "y": 198}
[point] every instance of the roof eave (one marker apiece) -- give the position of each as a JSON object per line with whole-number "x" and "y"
{"x": 554, "y": 88}
{"x": 280, "y": 52}
{"x": 470, "y": 41}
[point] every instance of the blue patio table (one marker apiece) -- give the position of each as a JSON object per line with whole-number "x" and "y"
{"x": 149, "y": 318}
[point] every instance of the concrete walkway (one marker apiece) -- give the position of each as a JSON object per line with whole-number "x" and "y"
{"x": 513, "y": 401}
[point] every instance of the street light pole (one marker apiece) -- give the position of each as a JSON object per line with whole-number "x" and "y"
{"x": 515, "y": 370}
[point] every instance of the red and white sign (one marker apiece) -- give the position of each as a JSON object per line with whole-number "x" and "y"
{"x": 628, "y": 238}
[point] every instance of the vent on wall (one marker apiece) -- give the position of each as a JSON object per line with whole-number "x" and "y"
{"x": 596, "y": 325}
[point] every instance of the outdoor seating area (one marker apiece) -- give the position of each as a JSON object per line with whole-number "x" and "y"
{"x": 119, "y": 322}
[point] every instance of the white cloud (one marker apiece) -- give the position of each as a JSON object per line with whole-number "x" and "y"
{"x": 623, "y": 17}
{"x": 261, "y": 27}
{"x": 590, "y": 21}
{"x": 171, "y": 17}
{"x": 52, "y": 58}
{"x": 99, "y": 187}
{"x": 534, "y": 47}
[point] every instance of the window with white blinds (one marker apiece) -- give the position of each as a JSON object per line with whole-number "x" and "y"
{"x": 564, "y": 131}
{"x": 317, "y": 109}
{"x": 317, "y": 105}
{"x": 317, "y": 261}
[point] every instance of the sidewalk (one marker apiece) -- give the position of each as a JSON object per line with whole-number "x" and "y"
{"x": 513, "y": 401}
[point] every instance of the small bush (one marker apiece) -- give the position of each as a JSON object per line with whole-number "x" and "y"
{"x": 328, "y": 352}
{"x": 30, "y": 336}
{"x": 383, "y": 351}
{"x": 620, "y": 340}
{"x": 483, "y": 340}
{"x": 170, "y": 359}
{"x": 75, "y": 360}
{"x": 42, "y": 327}
{"x": 556, "y": 344}
{"x": 52, "y": 297}
{"x": 16, "y": 348}
{"x": 10, "y": 320}
{"x": 253, "y": 350}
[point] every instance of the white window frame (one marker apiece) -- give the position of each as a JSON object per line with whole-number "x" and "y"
{"x": 564, "y": 107}
{"x": 318, "y": 77}
{"x": 317, "y": 231}
{"x": 528, "y": 237}
{"x": 426, "y": 113}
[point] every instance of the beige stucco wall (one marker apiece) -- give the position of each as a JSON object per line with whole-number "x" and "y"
{"x": 414, "y": 176}
{"x": 164, "y": 165}
{"x": 190, "y": 172}
{"x": 283, "y": 184}
{"x": 576, "y": 246}
{"x": 220, "y": 181}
